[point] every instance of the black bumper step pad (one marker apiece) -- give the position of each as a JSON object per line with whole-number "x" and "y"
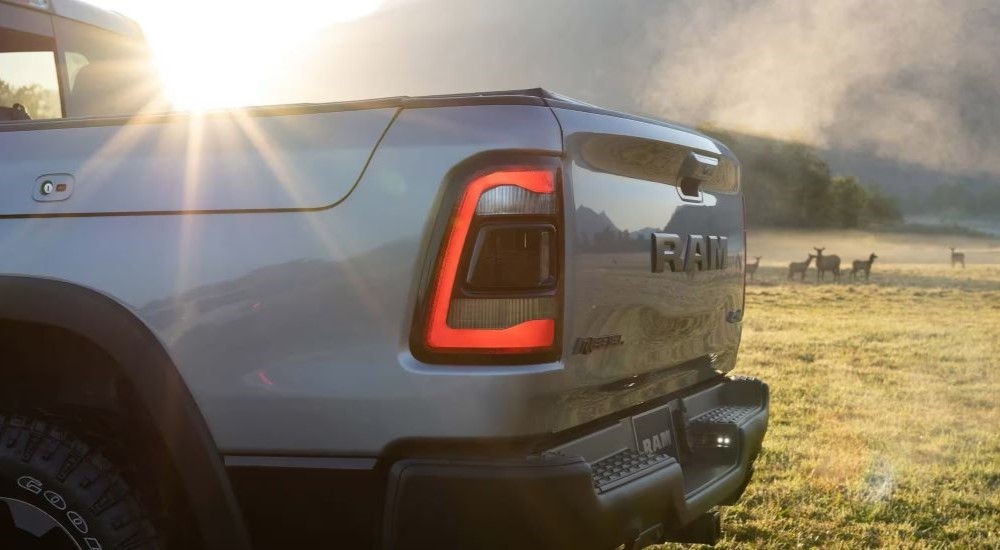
{"x": 729, "y": 414}
{"x": 623, "y": 467}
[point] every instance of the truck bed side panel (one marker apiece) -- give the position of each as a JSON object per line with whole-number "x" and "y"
{"x": 217, "y": 162}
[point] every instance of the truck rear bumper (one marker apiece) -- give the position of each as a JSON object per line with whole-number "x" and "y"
{"x": 647, "y": 478}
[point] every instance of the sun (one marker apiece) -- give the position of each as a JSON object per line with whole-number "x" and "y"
{"x": 223, "y": 53}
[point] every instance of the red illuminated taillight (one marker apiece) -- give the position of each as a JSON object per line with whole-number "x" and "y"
{"x": 496, "y": 287}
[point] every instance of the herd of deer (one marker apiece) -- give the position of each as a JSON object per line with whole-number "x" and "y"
{"x": 829, "y": 263}
{"x": 832, "y": 264}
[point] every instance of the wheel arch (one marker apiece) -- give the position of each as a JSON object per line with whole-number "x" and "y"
{"x": 144, "y": 363}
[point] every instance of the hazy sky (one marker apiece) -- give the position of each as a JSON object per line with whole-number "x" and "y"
{"x": 916, "y": 80}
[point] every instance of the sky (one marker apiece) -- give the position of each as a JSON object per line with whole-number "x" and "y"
{"x": 221, "y": 53}
{"x": 917, "y": 82}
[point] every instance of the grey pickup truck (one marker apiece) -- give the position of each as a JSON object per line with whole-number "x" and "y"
{"x": 493, "y": 320}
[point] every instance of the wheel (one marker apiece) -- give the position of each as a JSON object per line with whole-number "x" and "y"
{"x": 57, "y": 492}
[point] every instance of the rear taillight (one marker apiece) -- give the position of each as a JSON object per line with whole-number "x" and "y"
{"x": 496, "y": 287}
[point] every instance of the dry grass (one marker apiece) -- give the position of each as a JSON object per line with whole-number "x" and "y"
{"x": 885, "y": 426}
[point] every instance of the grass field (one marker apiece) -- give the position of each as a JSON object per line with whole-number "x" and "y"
{"x": 885, "y": 423}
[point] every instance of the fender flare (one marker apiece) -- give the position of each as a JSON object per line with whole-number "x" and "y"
{"x": 148, "y": 367}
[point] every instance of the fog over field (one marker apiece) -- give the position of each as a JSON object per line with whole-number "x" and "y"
{"x": 916, "y": 81}
{"x": 778, "y": 248}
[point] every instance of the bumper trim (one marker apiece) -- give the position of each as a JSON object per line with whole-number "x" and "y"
{"x": 550, "y": 500}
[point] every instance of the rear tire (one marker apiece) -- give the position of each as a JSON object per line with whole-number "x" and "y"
{"x": 58, "y": 492}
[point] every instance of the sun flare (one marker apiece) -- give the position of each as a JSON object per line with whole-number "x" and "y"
{"x": 224, "y": 53}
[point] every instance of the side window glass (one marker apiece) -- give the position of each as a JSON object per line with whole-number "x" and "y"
{"x": 29, "y": 84}
{"x": 107, "y": 73}
{"x": 74, "y": 62}
{"x": 29, "y": 81}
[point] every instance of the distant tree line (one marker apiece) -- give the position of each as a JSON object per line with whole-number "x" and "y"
{"x": 956, "y": 200}
{"x": 38, "y": 101}
{"x": 787, "y": 184}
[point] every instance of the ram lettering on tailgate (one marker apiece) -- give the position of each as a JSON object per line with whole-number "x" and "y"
{"x": 695, "y": 253}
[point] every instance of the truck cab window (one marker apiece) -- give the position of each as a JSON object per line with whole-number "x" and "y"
{"x": 107, "y": 73}
{"x": 74, "y": 62}
{"x": 29, "y": 81}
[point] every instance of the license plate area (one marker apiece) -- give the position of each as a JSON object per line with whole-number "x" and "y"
{"x": 650, "y": 432}
{"x": 654, "y": 431}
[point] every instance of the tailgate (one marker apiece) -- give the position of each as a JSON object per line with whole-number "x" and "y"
{"x": 654, "y": 278}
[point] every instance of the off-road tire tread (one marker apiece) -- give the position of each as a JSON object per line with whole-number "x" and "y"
{"x": 83, "y": 475}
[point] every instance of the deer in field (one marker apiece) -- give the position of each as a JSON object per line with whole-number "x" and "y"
{"x": 799, "y": 268}
{"x": 752, "y": 267}
{"x": 827, "y": 263}
{"x": 862, "y": 265}
{"x": 957, "y": 257}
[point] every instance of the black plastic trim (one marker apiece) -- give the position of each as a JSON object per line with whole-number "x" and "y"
{"x": 158, "y": 385}
{"x": 301, "y": 462}
{"x": 493, "y": 504}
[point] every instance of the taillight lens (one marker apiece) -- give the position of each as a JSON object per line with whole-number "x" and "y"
{"x": 496, "y": 288}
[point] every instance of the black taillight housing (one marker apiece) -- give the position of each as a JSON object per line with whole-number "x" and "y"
{"x": 513, "y": 256}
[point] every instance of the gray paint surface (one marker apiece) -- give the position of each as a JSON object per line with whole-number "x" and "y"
{"x": 667, "y": 320}
{"x": 291, "y": 328}
{"x": 225, "y": 161}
